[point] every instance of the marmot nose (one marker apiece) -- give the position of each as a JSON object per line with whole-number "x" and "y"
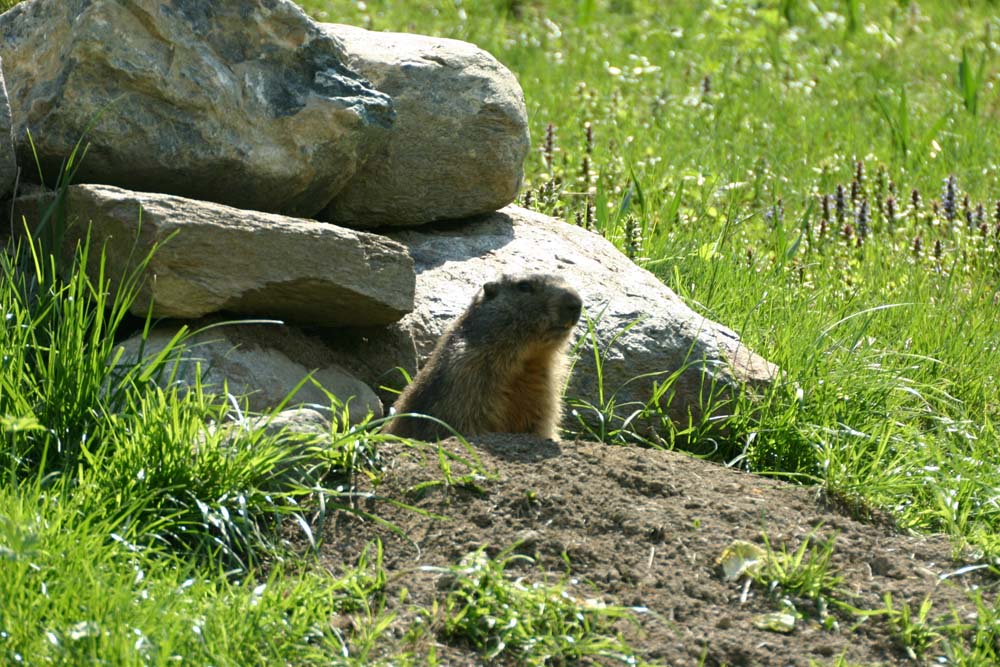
{"x": 570, "y": 306}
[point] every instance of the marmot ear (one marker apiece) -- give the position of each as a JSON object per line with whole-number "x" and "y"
{"x": 491, "y": 289}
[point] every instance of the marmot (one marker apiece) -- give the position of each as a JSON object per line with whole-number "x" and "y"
{"x": 500, "y": 367}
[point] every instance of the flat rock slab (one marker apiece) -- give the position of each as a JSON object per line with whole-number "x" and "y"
{"x": 212, "y": 258}
{"x": 245, "y": 102}
{"x": 643, "y": 331}
{"x": 458, "y": 145}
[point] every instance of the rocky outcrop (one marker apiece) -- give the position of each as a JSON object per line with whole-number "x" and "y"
{"x": 642, "y": 330}
{"x": 8, "y": 164}
{"x": 253, "y": 104}
{"x": 460, "y": 137}
{"x": 226, "y": 359}
{"x": 245, "y": 103}
{"x": 212, "y": 258}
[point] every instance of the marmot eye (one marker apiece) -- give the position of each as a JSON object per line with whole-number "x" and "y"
{"x": 525, "y": 286}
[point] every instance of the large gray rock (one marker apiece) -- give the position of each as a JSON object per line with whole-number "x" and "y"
{"x": 644, "y": 331}
{"x": 211, "y": 258}
{"x": 229, "y": 358}
{"x": 245, "y": 102}
{"x": 8, "y": 164}
{"x": 460, "y": 137}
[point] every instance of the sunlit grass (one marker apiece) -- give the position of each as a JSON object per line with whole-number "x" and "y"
{"x": 531, "y": 623}
{"x": 146, "y": 523}
{"x": 73, "y": 596}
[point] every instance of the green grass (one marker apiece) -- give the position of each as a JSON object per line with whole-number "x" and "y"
{"x": 805, "y": 572}
{"x": 142, "y": 525}
{"x": 532, "y": 623}
{"x": 73, "y": 596}
{"x": 804, "y": 584}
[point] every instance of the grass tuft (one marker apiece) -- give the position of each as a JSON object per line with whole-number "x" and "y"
{"x": 142, "y": 522}
{"x": 531, "y": 623}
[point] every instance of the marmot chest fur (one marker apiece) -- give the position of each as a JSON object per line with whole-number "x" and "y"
{"x": 500, "y": 367}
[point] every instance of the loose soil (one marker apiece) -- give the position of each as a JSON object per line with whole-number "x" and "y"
{"x": 644, "y": 528}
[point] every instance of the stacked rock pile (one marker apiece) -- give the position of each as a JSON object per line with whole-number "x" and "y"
{"x": 354, "y": 185}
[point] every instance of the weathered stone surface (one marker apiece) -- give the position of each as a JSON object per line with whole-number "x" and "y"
{"x": 245, "y": 103}
{"x": 8, "y": 164}
{"x": 460, "y": 137}
{"x": 303, "y": 421}
{"x": 643, "y": 330}
{"x": 226, "y": 357}
{"x": 216, "y": 258}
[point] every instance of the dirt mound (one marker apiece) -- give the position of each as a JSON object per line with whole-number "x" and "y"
{"x": 645, "y": 528}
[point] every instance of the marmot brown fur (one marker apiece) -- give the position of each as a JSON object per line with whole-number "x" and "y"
{"x": 500, "y": 367}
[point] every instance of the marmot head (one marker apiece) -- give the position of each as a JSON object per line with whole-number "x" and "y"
{"x": 533, "y": 307}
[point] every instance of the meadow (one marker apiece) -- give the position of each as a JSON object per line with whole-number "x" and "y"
{"x": 822, "y": 177}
